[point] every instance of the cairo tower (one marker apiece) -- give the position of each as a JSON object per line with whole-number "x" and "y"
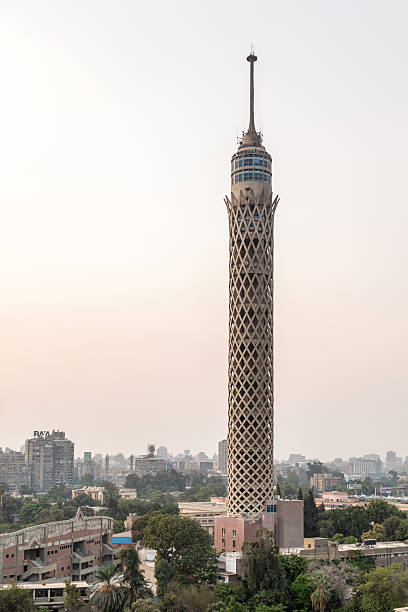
{"x": 250, "y": 363}
{"x": 251, "y": 211}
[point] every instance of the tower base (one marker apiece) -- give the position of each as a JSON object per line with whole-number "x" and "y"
{"x": 284, "y": 517}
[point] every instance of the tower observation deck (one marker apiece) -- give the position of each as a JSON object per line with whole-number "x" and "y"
{"x": 250, "y": 361}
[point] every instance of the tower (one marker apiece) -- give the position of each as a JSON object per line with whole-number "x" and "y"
{"x": 251, "y": 212}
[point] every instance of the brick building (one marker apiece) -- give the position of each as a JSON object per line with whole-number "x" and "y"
{"x": 55, "y": 551}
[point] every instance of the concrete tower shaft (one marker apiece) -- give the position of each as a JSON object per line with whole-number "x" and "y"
{"x": 250, "y": 361}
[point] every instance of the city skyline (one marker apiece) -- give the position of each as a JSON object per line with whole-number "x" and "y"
{"x": 114, "y": 268}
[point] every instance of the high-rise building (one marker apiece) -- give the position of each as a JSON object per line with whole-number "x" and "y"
{"x": 251, "y": 211}
{"x": 51, "y": 457}
{"x": 14, "y": 471}
{"x": 250, "y": 363}
{"x": 223, "y": 456}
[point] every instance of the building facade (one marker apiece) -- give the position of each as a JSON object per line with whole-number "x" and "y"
{"x": 325, "y": 482}
{"x": 223, "y": 456}
{"x": 14, "y": 471}
{"x": 51, "y": 459}
{"x": 51, "y": 552}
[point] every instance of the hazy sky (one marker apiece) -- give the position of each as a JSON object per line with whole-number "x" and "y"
{"x": 117, "y": 123}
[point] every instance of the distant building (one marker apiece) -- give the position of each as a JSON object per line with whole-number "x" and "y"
{"x": 223, "y": 456}
{"x": 206, "y": 466}
{"x": 95, "y": 493}
{"x": 14, "y": 471}
{"x": 360, "y": 469}
{"x": 150, "y": 463}
{"x": 86, "y": 467}
{"x": 71, "y": 549}
{"x": 51, "y": 458}
{"x": 325, "y": 482}
{"x": 392, "y": 462}
{"x": 337, "y": 499}
{"x": 295, "y": 458}
{"x": 162, "y": 452}
{"x": 128, "y": 493}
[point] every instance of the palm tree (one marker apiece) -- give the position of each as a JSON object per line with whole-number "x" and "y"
{"x": 109, "y": 594}
{"x": 132, "y": 574}
{"x": 321, "y": 595}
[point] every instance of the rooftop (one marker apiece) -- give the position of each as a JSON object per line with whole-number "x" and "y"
{"x": 378, "y": 545}
{"x": 45, "y": 585}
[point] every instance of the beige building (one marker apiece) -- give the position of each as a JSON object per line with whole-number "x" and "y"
{"x": 325, "y": 482}
{"x": 204, "y": 512}
{"x": 95, "y": 493}
{"x": 383, "y": 553}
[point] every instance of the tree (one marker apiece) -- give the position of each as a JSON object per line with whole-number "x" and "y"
{"x": 111, "y": 496}
{"x": 322, "y": 593}
{"x": 293, "y": 566}
{"x": 224, "y": 591}
{"x": 117, "y": 526}
{"x": 234, "y": 606}
{"x": 395, "y": 529}
{"x": 164, "y": 574}
{"x": 263, "y": 600}
{"x": 185, "y": 545}
{"x": 145, "y": 605}
{"x": 311, "y": 516}
{"x": 383, "y": 589}
{"x": 278, "y": 490}
{"x": 72, "y": 597}
{"x": 16, "y": 599}
{"x": 300, "y": 592}
{"x": 316, "y": 467}
{"x": 261, "y": 566}
{"x": 343, "y": 578}
{"x": 109, "y": 594}
{"x": 300, "y": 493}
{"x": 138, "y": 526}
{"x": 132, "y": 573}
{"x": 378, "y": 510}
{"x": 193, "y": 598}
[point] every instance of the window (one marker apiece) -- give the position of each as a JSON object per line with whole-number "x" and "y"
{"x": 223, "y": 543}
{"x": 223, "y": 531}
{"x": 234, "y": 544}
{"x": 271, "y": 509}
{"x": 248, "y": 176}
{"x": 248, "y": 161}
{"x": 234, "y": 533}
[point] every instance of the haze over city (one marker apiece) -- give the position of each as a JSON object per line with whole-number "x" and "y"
{"x": 118, "y": 124}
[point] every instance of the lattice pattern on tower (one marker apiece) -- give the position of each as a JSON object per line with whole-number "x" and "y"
{"x": 250, "y": 361}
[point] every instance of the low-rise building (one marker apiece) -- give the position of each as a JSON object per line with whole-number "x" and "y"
{"x": 284, "y": 517}
{"x": 204, "y": 512}
{"x": 71, "y": 549}
{"x": 127, "y": 493}
{"x": 95, "y": 493}
{"x": 50, "y": 596}
{"x": 383, "y": 553}
{"x": 337, "y": 499}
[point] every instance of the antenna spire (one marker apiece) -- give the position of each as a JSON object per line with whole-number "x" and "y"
{"x": 251, "y": 59}
{"x": 251, "y": 137}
